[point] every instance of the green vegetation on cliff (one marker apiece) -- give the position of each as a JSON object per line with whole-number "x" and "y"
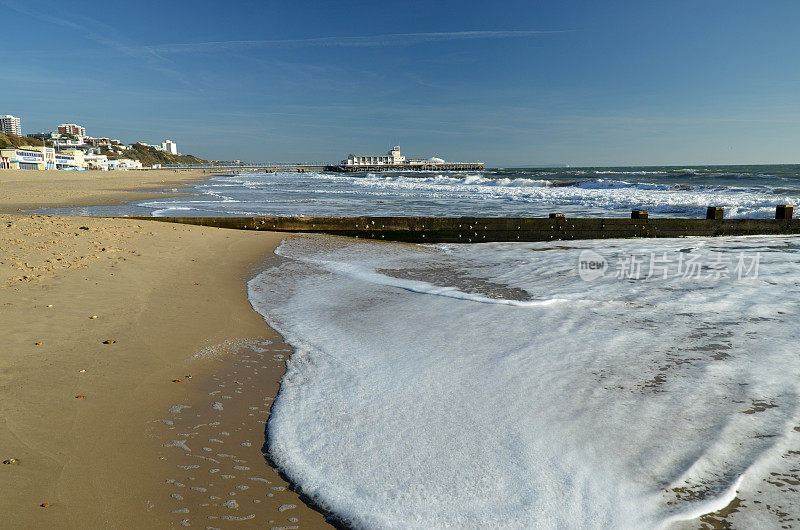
{"x": 11, "y": 140}
{"x": 149, "y": 155}
{"x": 146, "y": 154}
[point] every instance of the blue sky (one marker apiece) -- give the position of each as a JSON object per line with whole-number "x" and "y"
{"x": 509, "y": 83}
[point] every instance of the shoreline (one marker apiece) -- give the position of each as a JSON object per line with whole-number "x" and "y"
{"x": 84, "y": 420}
{"x": 22, "y": 190}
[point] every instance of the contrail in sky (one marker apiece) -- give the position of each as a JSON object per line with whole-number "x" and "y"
{"x": 94, "y": 30}
{"x": 393, "y": 39}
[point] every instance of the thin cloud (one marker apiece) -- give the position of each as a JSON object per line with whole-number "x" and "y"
{"x": 394, "y": 39}
{"x": 97, "y": 31}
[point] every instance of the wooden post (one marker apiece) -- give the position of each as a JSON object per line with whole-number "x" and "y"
{"x": 784, "y": 211}
{"x": 557, "y": 216}
{"x": 715, "y": 212}
{"x": 639, "y": 214}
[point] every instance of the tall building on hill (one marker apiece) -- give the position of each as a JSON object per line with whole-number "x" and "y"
{"x": 168, "y": 146}
{"x": 71, "y": 128}
{"x": 10, "y": 125}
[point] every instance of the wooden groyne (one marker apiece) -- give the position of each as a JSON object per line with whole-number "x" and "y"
{"x": 493, "y": 229}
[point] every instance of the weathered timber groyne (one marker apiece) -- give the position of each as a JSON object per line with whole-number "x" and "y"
{"x": 493, "y": 229}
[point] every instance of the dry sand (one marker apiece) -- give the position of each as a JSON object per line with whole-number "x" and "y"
{"x": 29, "y": 190}
{"x": 94, "y": 427}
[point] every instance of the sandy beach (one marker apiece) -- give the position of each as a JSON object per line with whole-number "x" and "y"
{"x": 135, "y": 376}
{"x": 29, "y": 190}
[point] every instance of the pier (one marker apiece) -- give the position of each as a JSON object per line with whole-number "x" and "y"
{"x": 228, "y": 168}
{"x": 392, "y": 161}
{"x": 339, "y": 168}
{"x": 495, "y": 229}
{"x": 446, "y": 166}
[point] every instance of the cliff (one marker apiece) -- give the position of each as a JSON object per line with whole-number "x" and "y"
{"x": 149, "y": 155}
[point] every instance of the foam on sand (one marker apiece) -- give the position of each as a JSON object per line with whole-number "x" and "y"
{"x": 443, "y": 386}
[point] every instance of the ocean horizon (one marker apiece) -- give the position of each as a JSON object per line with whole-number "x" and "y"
{"x": 664, "y": 191}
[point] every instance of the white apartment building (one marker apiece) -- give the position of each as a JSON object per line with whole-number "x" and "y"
{"x": 168, "y": 146}
{"x": 10, "y": 125}
{"x": 393, "y": 157}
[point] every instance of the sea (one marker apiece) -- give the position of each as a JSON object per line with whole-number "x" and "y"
{"x": 745, "y": 191}
{"x": 636, "y": 383}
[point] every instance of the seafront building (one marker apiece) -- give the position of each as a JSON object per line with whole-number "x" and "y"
{"x": 65, "y": 142}
{"x": 124, "y": 163}
{"x": 73, "y": 129}
{"x": 69, "y": 149}
{"x": 168, "y": 146}
{"x": 23, "y": 158}
{"x": 42, "y": 157}
{"x": 94, "y": 161}
{"x": 10, "y": 125}
{"x": 71, "y": 160}
{"x": 28, "y": 158}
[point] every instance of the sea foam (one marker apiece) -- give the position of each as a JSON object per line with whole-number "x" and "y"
{"x": 526, "y": 193}
{"x": 437, "y": 386}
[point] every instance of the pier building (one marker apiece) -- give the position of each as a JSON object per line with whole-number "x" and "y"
{"x": 393, "y": 157}
{"x": 395, "y": 160}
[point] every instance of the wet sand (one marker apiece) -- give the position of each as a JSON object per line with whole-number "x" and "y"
{"x": 91, "y": 429}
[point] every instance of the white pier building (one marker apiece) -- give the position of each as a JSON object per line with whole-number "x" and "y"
{"x": 392, "y": 158}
